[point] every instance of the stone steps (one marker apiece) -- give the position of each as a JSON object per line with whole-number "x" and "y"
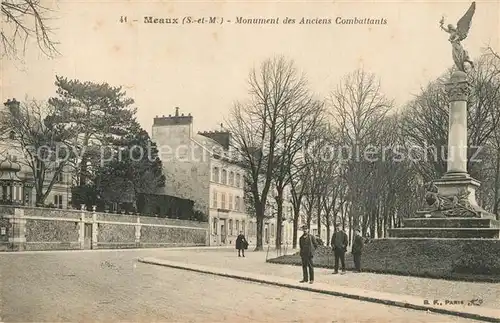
{"x": 448, "y": 232}
{"x": 450, "y": 223}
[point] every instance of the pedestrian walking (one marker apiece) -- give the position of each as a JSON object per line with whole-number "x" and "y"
{"x": 357, "y": 247}
{"x": 307, "y": 244}
{"x": 339, "y": 245}
{"x": 241, "y": 244}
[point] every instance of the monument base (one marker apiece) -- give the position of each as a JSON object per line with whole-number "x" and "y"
{"x": 452, "y": 183}
{"x": 454, "y": 213}
{"x": 456, "y": 228}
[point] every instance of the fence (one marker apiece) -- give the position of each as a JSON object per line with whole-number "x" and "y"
{"x": 24, "y": 228}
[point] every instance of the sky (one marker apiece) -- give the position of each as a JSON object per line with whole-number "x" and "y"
{"x": 203, "y": 69}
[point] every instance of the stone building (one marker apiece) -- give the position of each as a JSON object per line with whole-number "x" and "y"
{"x": 201, "y": 167}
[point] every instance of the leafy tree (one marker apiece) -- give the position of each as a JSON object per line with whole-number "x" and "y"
{"x": 135, "y": 169}
{"x": 100, "y": 114}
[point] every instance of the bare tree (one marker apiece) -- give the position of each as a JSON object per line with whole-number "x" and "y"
{"x": 42, "y": 140}
{"x": 299, "y": 175}
{"x": 256, "y": 128}
{"x": 24, "y": 20}
{"x": 299, "y": 121}
{"x": 358, "y": 110}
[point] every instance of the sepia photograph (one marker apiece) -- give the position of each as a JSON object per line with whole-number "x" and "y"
{"x": 250, "y": 161}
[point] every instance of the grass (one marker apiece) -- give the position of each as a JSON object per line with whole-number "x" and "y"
{"x": 458, "y": 259}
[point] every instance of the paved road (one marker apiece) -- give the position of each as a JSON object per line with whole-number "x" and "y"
{"x": 421, "y": 287}
{"x": 112, "y": 286}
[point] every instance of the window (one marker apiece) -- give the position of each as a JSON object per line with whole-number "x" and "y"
{"x": 238, "y": 226}
{"x": 58, "y": 201}
{"x": 215, "y": 174}
{"x": 214, "y": 199}
{"x": 242, "y": 181}
{"x": 224, "y": 176}
{"x": 230, "y": 201}
{"x": 237, "y": 180}
{"x": 231, "y": 178}
{"x": 272, "y": 230}
{"x": 243, "y": 226}
{"x": 12, "y": 135}
{"x": 230, "y": 225}
{"x": 214, "y": 221}
{"x": 223, "y": 200}
{"x": 237, "y": 203}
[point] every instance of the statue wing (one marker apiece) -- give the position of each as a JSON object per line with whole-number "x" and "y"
{"x": 463, "y": 25}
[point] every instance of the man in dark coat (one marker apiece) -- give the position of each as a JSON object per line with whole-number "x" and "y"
{"x": 339, "y": 245}
{"x": 357, "y": 247}
{"x": 307, "y": 244}
{"x": 241, "y": 244}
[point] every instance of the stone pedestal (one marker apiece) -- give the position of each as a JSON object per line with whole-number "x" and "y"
{"x": 453, "y": 214}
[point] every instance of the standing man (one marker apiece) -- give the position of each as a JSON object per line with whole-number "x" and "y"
{"x": 241, "y": 244}
{"x": 307, "y": 245}
{"x": 357, "y": 247}
{"x": 339, "y": 245}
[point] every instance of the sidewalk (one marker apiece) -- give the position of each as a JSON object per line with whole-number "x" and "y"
{"x": 408, "y": 292}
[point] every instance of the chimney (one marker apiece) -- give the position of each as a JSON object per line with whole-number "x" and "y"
{"x": 176, "y": 119}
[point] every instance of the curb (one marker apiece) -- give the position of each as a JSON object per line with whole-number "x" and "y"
{"x": 112, "y": 250}
{"x": 451, "y": 278}
{"x": 475, "y": 313}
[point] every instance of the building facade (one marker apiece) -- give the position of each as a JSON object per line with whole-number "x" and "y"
{"x": 199, "y": 167}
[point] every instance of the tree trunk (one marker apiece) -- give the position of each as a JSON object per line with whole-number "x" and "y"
{"x": 373, "y": 218}
{"x": 328, "y": 224}
{"x": 260, "y": 227}
{"x": 83, "y": 162}
{"x": 319, "y": 216}
{"x": 295, "y": 229}
{"x": 497, "y": 188}
{"x": 279, "y": 218}
{"x": 350, "y": 224}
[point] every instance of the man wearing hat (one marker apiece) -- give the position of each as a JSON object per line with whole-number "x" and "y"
{"x": 339, "y": 245}
{"x": 357, "y": 247}
{"x": 307, "y": 244}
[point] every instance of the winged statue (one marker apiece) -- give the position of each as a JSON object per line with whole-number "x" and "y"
{"x": 457, "y": 34}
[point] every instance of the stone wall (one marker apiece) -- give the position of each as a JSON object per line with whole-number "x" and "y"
{"x": 24, "y": 228}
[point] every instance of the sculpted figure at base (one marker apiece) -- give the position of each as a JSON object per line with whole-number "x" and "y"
{"x": 448, "y": 206}
{"x": 457, "y": 34}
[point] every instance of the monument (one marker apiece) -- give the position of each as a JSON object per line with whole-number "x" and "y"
{"x": 452, "y": 210}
